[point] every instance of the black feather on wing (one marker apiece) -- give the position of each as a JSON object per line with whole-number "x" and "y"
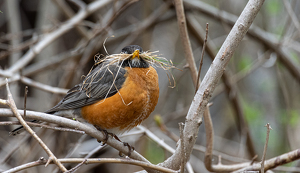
{"x": 102, "y": 82}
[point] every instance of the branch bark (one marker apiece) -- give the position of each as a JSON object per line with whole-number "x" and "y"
{"x": 10, "y": 102}
{"x": 88, "y": 129}
{"x": 194, "y": 117}
{"x": 186, "y": 40}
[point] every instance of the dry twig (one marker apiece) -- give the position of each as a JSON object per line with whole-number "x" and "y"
{"x": 43, "y": 161}
{"x": 209, "y": 148}
{"x": 10, "y": 102}
{"x": 185, "y": 40}
{"x": 202, "y": 56}
{"x": 265, "y": 148}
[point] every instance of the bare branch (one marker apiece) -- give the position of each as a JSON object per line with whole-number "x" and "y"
{"x": 5, "y": 123}
{"x": 274, "y": 162}
{"x": 43, "y": 161}
{"x": 265, "y": 148}
{"x": 181, "y": 126}
{"x": 201, "y": 60}
{"x": 88, "y": 129}
{"x": 211, "y": 79}
{"x": 10, "y": 102}
{"x": 209, "y": 148}
{"x": 185, "y": 40}
{"x": 25, "y": 100}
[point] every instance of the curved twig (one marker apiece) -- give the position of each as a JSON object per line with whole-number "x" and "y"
{"x": 43, "y": 161}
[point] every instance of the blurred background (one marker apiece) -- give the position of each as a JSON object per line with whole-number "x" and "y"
{"x": 260, "y": 84}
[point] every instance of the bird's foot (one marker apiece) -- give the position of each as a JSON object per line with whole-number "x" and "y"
{"x": 106, "y": 134}
{"x": 130, "y": 149}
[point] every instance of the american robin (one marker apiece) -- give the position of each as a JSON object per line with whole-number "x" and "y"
{"x": 115, "y": 96}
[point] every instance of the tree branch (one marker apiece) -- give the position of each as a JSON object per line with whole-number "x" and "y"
{"x": 50, "y": 37}
{"x": 210, "y": 81}
{"x": 88, "y": 129}
{"x": 10, "y": 102}
{"x": 43, "y": 161}
{"x": 185, "y": 40}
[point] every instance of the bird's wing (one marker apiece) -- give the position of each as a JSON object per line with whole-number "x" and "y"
{"x": 102, "y": 82}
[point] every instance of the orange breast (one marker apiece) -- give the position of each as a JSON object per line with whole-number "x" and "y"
{"x": 130, "y": 106}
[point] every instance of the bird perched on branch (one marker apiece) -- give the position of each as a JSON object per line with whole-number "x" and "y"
{"x": 117, "y": 95}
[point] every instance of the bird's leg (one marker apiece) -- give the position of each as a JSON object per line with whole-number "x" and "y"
{"x": 130, "y": 149}
{"x": 106, "y": 133}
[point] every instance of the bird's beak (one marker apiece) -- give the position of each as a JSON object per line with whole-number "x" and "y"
{"x": 136, "y": 53}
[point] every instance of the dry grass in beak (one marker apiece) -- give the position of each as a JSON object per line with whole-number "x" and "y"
{"x": 117, "y": 59}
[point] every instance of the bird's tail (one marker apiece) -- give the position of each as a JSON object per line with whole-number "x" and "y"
{"x": 20, "y": 129}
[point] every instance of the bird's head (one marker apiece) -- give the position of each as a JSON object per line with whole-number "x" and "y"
{"x": 134, "y": 61}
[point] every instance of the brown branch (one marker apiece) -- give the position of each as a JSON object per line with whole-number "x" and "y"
{"x": 209, "y": 148}
{"x": 202, "y": 56}
{"x": 265, "y": 148}
{"x": 25, "y": 100}
{"x": 185, "y": 40}
{"x": 181, "y": 126}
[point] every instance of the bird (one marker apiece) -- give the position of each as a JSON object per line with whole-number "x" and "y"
{"x": 115, "y": 96}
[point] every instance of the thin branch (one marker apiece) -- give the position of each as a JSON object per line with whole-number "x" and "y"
{"x": 274, "y": 162}
{"x": 156, "y": 139}
{"x": 181, "y": 126}
{"x": 25, "y": 100}
{"x": 19, "y": 47}
{"x": 43, "y": 161}
{"x": 42, "y": 86}
{"x": 62, "y": 5}
{"x": 209, "y": 148}
{"x": 202, "y": 56}
{"x": 265, "y": 148}
{"x": 10, "y": 102}
{"x": 6, "y": 123}
{"x": 185, "y": 40}
{"x": 76, "y": 167}
{"x": 159, "y": 121}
